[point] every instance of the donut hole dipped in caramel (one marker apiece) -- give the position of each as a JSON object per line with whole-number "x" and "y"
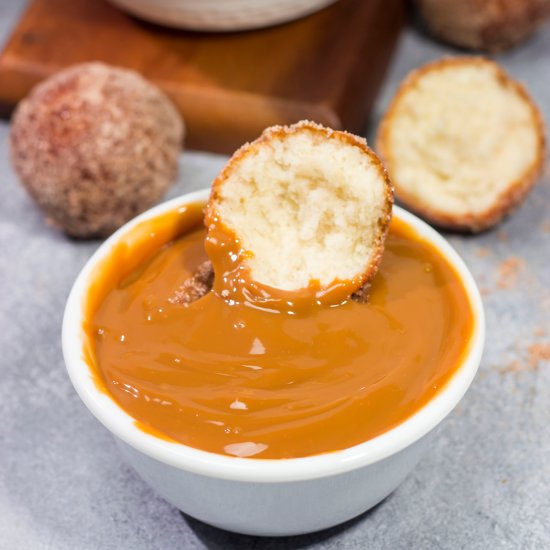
{"x": 299, "y": 216}
{"x": 242, "y": 381}
{"x": 235, "y": 372}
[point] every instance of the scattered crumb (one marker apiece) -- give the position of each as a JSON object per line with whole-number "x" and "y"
{"x": 509, "y": 271}
{"x": 361, "y": 295}
{"x": 502, "y": 236}
{"x": 538, "y": 353}
{"x": 514, "y": 367}
{"x": 196, "y": 286}
{"x": 539, "y": 331}
{"x": 504, "y": 481}
{"x": 546, "y": 226}
{"x": 482, "y": 251}
{"x": 484, "y": 291}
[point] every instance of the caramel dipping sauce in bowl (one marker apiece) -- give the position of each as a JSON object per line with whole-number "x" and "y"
{"x": 305, "y": 426}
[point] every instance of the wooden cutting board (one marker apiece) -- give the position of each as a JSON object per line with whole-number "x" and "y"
{"x": 326, "y": 67}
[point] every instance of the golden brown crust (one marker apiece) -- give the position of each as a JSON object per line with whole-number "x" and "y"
{"x": 488, "y": 25}
{"x": 322, "y": 133}
{"x": 506, "y": 201}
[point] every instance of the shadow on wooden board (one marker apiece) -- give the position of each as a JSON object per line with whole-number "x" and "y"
{"x": 229, "y": 86}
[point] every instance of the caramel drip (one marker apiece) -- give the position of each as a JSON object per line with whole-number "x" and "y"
{"x": 235, "y": 284}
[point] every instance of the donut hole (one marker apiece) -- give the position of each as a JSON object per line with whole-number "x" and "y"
{"x": 309, "y": 207}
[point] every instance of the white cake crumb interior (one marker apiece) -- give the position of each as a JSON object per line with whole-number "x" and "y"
{"x": 460, "y": 136}
{"x": 307, "y": 207}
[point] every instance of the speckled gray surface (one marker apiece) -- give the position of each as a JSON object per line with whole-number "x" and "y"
{"x": 485, "y": 483}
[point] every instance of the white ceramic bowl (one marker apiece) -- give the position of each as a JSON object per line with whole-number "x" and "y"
{"x": 260, "y": 496}
{"x": 220, "y": 15}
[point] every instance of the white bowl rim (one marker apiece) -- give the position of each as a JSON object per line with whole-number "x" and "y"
{"x": 122, "y": 425}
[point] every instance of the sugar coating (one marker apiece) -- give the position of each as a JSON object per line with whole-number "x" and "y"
{"x": 94, "y": 145}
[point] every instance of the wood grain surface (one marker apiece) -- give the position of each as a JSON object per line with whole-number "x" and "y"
{"x": 229, "y": 86}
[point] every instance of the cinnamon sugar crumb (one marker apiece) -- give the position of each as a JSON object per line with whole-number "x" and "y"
{"x": 502, "y": 236}
{"x": 538, "y": 353}
{"x": 515, "y": 367}
{"x": 509, "y": 271}
{"x": 361, "y": 296}
{"x": 196, "y": 286}
{"x": 482, "y": 252}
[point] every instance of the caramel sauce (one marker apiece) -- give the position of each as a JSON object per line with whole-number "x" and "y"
{"x": 236, "y": 285}
{"x": 241, "y": 378}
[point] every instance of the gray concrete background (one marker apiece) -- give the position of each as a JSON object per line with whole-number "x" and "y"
{"x": 484, "y": 484}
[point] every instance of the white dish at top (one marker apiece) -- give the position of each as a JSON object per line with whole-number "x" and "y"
{"x": 220, "y": 15}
